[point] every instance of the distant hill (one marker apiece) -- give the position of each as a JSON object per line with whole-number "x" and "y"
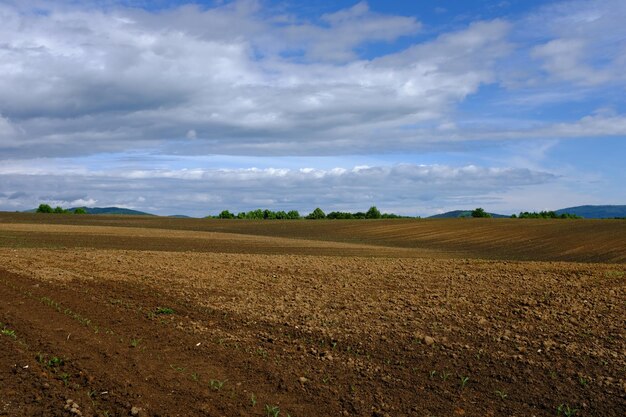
{"x": 112, "y": 210}
{"x": 595, "y": 212}
{"x": 461, "y": 213}
{"x": 180, "y": 216}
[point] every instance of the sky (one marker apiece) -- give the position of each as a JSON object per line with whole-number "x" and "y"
{"x": 416, "y": 107}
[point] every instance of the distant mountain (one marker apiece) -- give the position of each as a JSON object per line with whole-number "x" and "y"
{"x": 180, "y": 216}
{"x": 461, "y": 213}
{"x": 595, "y": 212}
{"x": 112, "y": 210}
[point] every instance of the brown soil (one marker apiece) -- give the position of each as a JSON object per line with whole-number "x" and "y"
{"x": 505, "y": 239}
{"x": 375, "y": 327}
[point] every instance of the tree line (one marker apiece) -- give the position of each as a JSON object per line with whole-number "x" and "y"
{"x": 545, "y": 215}
{"x": 46, "y": 208}
{"x": 317, "y": 214}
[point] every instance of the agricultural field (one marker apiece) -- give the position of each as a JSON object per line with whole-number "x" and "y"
{"x": 151, "y": 316}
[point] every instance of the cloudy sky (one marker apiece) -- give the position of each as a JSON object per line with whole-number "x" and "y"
{"x": 417, "y": 107}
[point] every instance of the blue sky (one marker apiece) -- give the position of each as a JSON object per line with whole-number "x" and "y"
{"x": 416, "y": 107}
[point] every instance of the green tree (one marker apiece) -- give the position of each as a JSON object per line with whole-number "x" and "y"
{"x": 480, "y": 212}
{"x": 373, "y": 213}
{"x": 269, "y": 214}
{"x": 339, "y": 215}
{"x": 293, "y": 215}
{"x": 316, "y": 214}
{"x": 80, "y": 210}
{"x": 255, "y": 214}
{"x": 225, "y": 214}
{"x": 44, "y": 208}
{"x": 59, "y": 210}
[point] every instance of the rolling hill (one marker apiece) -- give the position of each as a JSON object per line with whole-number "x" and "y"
{"x": 595, "y": 212}
{"x": 461, "y": 213}
{"x": 112, "y": 210}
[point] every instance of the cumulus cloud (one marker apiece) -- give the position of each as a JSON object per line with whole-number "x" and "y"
{"x": 105, "y": 80}
{"x": 403, "y": 188}
{"x": 240, "y": 79}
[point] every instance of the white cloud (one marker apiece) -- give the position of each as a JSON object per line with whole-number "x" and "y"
{"x": 585, "y": 43}
{"x": 565, "y": 59}
{"x": 345, "y": 30}
{"x": 107, "y": 80}
{"x": 403, "y": 188}
{"x": 123, "y": 79}
{"x": 598, "y": 124}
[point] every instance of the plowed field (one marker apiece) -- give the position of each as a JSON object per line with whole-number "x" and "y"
{"x": 117, "y": 316}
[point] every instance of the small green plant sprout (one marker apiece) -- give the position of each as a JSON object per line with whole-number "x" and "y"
{"x": 55, "y": 362}
{"x": 502, "y": 394}
{"x": 445, "y": 375}
{"x": 195, "y": 376}
{"x": 463, "y": 380}
{"x": 272, "y": 410}
{"x": 566, "y": 410}
{"x": 164, "y": 310}
{"x": 583, "y": 381}
{"x": 432, "y": 374}
{"x": 252, "y": 399}
{"x": 135, "y": 342}
{"x": 9, "y": 333}
{"x": 216, "y": 384}
{"x": 65, "y": 377}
